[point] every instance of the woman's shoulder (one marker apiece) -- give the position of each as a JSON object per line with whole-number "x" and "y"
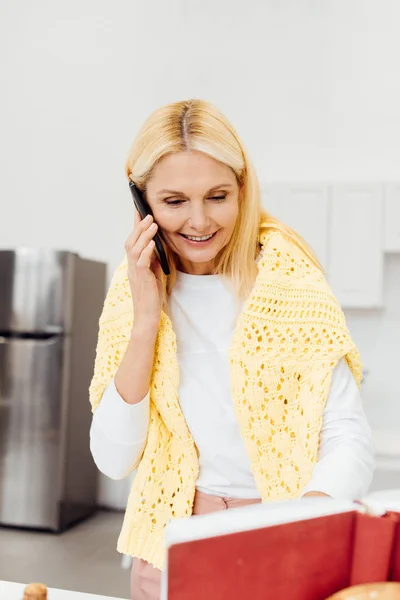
{"x": 291, "y": 277}
{"x": 288, "y": 268}
{"x": 286, "y": 256}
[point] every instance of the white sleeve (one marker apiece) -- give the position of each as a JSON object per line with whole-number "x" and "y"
{"x": 118, "y": 433}
{"x": 346, "y": 458}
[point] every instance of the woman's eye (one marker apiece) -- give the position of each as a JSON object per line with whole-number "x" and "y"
{"x": 174, "y": 202}
{"x": 178, "y": 202}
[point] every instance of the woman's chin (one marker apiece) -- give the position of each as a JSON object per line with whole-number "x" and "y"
{"x": 197, "y": 257}
{"x": 190, "y": 260}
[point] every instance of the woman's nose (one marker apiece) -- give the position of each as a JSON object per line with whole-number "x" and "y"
{"x": 199, "y": 220}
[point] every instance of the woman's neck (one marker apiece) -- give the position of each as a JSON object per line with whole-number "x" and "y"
{"x": 191, "y": 268}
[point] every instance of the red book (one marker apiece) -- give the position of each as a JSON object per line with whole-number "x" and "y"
{"x": 306, "y": 549}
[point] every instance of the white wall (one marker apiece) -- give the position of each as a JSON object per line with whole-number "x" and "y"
{"x": 364, "y": 89}
{"x": 312, "y": 86}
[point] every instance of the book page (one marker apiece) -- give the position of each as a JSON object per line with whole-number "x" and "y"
{"x": 251, "y": 517}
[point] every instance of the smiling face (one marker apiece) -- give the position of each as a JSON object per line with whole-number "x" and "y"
{"x": 195, "y": 201}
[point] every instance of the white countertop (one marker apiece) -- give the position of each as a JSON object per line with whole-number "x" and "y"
{"x": 15, "y": 591}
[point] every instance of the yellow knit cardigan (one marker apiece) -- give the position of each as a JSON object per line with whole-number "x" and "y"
{"x": 289, "y": 336}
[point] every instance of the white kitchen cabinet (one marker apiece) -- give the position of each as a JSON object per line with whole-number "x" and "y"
{"x": 355, "y": 253}
{"x": 304, "y": 208}
{"x": 392, "y": 218}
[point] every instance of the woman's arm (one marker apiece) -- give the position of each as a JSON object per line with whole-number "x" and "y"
{"x": 346, "y": 456}
{"x": 121, "y": 408}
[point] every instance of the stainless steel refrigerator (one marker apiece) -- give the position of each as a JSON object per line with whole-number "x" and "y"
{"x": 50, "y": 303}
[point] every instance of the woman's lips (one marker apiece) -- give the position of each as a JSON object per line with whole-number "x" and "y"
{"x": 198, "y": 242}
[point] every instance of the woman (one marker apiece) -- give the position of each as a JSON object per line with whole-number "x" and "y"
{"x": 233, "y": 380}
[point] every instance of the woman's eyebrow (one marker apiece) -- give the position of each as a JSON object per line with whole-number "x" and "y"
{"x": 216, "y": 187}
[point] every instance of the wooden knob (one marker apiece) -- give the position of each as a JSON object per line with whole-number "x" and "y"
{"x": 35, "y": 591}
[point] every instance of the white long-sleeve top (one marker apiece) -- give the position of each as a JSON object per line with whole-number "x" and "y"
{"x": 204, "y": 312}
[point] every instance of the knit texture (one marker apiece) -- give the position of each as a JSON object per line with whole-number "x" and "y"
{"x": 288, "y": 339}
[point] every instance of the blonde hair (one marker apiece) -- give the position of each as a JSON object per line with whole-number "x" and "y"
{"x": 196, "y": 125}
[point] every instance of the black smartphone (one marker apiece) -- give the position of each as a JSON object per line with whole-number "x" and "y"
{"x": 144, "y": 209}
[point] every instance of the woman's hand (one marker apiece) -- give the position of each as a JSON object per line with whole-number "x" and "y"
{"x": 144, "y": 273}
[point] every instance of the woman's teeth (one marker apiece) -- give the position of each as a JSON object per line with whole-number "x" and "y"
{"x": 198, "y": 238}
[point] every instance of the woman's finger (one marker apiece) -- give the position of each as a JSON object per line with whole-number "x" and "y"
{"x": 143, "y": 240}
{"x": 145, "y": 257}
{"x": 137, "y": 231}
